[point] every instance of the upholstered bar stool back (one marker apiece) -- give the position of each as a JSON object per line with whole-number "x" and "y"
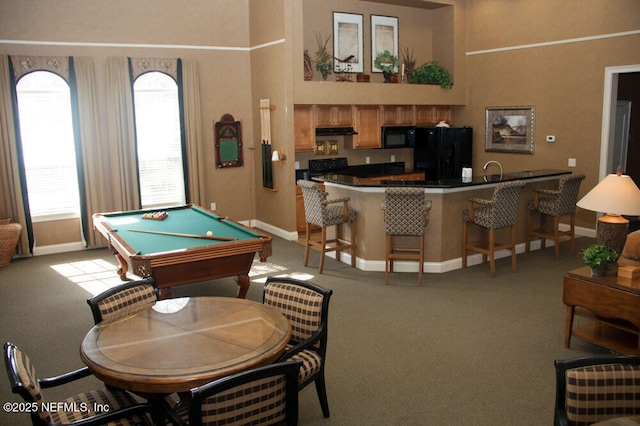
{"x": 405, "y": 214}
{"x": 323, "y": 213}
{"x": 501, "y": 211}
{"x": 554, "y": 203}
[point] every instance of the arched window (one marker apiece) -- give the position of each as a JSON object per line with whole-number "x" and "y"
{"x": 159, "y": 140}
{"x": 46, "y": 131}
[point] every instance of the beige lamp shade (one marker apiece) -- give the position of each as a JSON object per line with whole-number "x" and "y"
{"x": 615, "y": 194}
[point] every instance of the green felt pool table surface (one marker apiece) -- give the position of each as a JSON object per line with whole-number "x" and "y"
{"x": 180, "y": 259}
{"x": 184, "y": 220}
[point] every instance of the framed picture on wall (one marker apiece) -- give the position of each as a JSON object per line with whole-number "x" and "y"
{"x": 384, "y": 36}
{"x": 510, "y": 129}
{"x": 348, "y": 41}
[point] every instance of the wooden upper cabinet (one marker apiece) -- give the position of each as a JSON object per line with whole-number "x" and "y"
{"x": 304, "y": 127}
{"x": 443, "y": 113}
{"x": 334, "y": 115}
{"x": 367, "y": 124}
{"x": 398, "y": 115}
{"x": 430, "y": 114}
{"x": 366, "y": 119}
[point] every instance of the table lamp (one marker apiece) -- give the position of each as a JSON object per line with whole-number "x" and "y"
{"x": 615, "y": 195}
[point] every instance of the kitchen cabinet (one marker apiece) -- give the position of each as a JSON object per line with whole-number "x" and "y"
{"x": 443, "y": 113}
{"x": 304, "y": 127}
{"x": 367, "y": 124}
{"x": 334, "y": 115}
{"x": 430, "y": 114}
{"x": 398, "y": 115}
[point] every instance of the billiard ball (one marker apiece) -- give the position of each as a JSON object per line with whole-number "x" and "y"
{"x": 209, "y": 233}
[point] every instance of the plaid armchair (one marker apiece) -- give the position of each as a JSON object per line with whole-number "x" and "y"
{"x": 264, "y": 395}
{"x": 596, "y": 388}
{"x": 123, "y": 300}
{"x": 306, "y": 306}
{"x": 123, "y": 408}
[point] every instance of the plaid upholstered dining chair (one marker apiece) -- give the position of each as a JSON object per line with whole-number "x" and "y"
{"x": 596, "y": 388}
{"x": 306, "y": 306}
{"x": 120, "y": 407}
{"x": 556, "y": 203}
{"x": 322, "y": 213}
{"x": 265, "y": 395}
{"x": 501, "y": 211}
{"x": 405, "y": 214}
{"x": 123, "y": 300}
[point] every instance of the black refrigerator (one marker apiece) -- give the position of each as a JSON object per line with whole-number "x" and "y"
{"x": 442, "y": 152}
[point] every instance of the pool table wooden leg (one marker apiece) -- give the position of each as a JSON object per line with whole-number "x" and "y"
{"x": 124, "y": 267}
{"x": 243, "y": 286}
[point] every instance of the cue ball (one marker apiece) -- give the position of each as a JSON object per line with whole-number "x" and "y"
{"x": 209, "y": 233}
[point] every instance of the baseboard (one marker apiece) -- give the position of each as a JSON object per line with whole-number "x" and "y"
{"x": 279, "y": 232}
{"x": 57, "y": 248}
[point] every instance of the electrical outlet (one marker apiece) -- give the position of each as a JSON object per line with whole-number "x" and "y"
{"x": 572, "y": 162}
{"x": 367, "y": 160}
{"x": 213, "y": 206}
{"x": 393, "y": 158}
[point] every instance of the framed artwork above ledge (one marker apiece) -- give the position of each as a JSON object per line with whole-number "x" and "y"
{"x": 510, "y": 129}
{"x": 348, "y": 40}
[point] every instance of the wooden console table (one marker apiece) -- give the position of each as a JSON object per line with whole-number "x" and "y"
{"x": 611, "y": 303}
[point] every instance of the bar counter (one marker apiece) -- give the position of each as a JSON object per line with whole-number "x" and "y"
{"x": 444, "y": 229}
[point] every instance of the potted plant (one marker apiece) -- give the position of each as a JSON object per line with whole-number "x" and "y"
{"x": 432, "y": 73}
{"x": 388, "y": 63}
{"x": 599, "y": 257}
{"x": 323, "y": 58}
{"x": 409, "y": 63}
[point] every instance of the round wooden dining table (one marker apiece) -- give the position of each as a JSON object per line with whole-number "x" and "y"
{"x": 182, "y": 343}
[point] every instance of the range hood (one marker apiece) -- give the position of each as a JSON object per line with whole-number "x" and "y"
{"x": 335, "y": 131}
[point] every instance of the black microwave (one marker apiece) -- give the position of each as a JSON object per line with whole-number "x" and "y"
{"x": 398, "y": 137}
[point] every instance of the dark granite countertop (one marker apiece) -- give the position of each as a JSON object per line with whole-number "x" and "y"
{"x": 353, "y": 180}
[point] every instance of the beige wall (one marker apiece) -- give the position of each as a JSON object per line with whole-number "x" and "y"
{"x": 215, "y": 34}
{"x": 564, "y": 81}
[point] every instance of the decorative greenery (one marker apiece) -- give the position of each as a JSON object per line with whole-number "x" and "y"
{"x": 409, "y": 62}
{"x": 599, "y": 255}
{"x": 432, "y": 73}
{"x": 323, "y": 57}
{"x": 386, "y": 61}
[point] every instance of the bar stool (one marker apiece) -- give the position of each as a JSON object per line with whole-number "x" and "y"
{"x": 557, "y": 203}
{"x": 501, "y": 211}
{"x": 318, "y": 211}
{"x": 405, "y": 214}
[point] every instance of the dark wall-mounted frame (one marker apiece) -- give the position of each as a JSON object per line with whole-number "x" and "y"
{"x": 228, "y": 142}
{"x": 510, "y": 129}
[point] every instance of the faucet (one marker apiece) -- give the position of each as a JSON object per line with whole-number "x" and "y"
{"x": 495, "y": 162}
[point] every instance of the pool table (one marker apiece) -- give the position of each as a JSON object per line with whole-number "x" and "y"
{"x": 177, "y": 250}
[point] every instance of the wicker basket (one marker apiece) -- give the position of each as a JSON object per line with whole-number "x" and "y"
{"x": 9, "y": 234}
